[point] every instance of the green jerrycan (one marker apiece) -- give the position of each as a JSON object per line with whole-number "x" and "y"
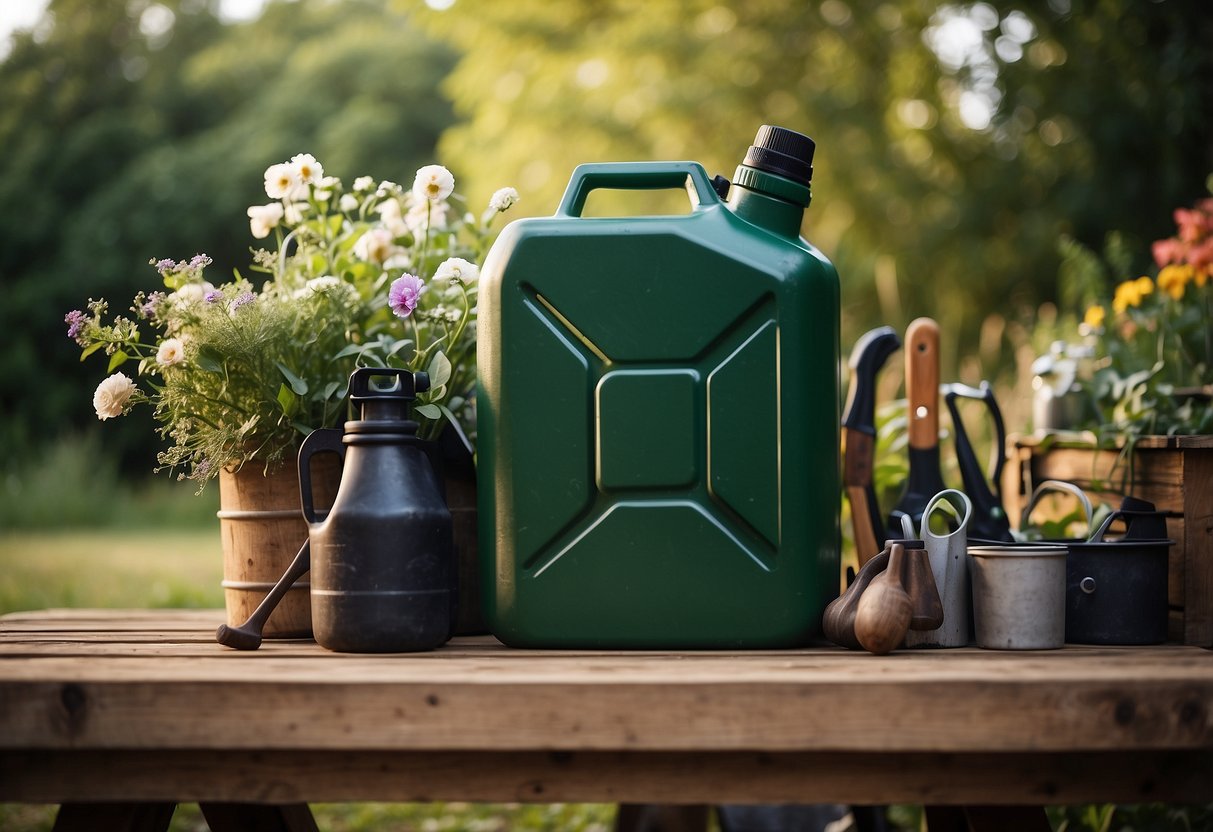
{"x": 658, "y": 415}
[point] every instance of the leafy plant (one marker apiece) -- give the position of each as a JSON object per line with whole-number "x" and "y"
{"x": 1153, "y": 339}
{"x": 376, "y": 275}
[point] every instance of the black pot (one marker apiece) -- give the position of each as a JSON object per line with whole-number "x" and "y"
{"x": 1116, "y": 591}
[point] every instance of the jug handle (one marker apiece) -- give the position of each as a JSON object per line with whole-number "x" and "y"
{"x": 946, "y": 500}
{"x": 321, "y": 440}
{"x": 632, "y": 176}
{"x": 1058, "y": 485}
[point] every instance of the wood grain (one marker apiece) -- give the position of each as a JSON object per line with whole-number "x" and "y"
{"x": 922, "y": 382}
{"x": 145, "y": 706}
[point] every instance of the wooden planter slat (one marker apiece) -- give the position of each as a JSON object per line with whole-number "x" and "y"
{"x": 1173, "y": 472}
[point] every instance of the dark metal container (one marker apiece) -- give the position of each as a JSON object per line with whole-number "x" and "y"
{"x": 1116, "y": 591}
{"x": 382, "y": 561}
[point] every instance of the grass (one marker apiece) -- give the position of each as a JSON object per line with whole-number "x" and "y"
{"x": 108, "y": 568}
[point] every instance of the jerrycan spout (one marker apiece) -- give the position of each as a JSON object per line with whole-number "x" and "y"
{"x": 770, "y": 187}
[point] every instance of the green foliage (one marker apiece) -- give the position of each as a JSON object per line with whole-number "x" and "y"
{"x": 925, "y": 207}
{"x": 75, "y": 484}
{"x": 1152, "y": 340}
{"x": 125, "y": 138}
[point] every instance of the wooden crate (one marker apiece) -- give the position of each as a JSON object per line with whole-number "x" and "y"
{"x": 1173, "y": 472}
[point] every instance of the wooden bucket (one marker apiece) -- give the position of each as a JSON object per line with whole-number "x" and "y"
{"x": 261, "y": 522}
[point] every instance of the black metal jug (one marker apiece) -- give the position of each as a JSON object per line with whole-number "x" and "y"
{"x": 382, "y": 560}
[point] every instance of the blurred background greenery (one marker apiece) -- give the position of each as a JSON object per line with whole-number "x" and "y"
{"x": 957, "y": 145}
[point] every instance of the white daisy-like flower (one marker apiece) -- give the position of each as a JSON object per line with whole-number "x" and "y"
{"x": 375, "y": 246}
{"x": 281, "y": 181}
{"x": 170, "y": 352}
{"x": 433, "y": 182}
{"x": 457, "y": 270}
{"x": 391, "y": 216}
{"x": 364, "y": 183}
{"x": 263, "y": 218}
{"x": 503, "y": 199}
{"x": 112, "y": 395}
{"x": 307, "y": 168}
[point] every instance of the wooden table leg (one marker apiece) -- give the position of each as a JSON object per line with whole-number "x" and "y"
{"x": 114, "y": 817}
{"x": 258, "y": 817}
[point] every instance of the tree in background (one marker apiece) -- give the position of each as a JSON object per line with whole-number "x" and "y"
{"x": 141, "y": 130}
{"x": 955, "y": 143}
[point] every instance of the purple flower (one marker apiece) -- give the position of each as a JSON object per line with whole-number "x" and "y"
{"x": 213, "y": 296}
{"x": 403, "y": 295}
{"x": 164, "y": 266}
{"x": 151, "y": 304}
{"x": 243, "y": 299}
{"x": 75, "y": 321}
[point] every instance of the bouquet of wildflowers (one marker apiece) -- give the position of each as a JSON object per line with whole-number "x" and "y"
{"x": 1155, "y": 338}
{"x": 372, "y": 275}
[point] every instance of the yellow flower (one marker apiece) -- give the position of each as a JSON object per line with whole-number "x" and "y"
{"x": 1173, "y": 279}
{"x": 1095, "y": 317}
{"x": 1130, "y": 293}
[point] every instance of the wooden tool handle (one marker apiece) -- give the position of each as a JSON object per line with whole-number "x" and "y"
{"x": 922, "y": 382}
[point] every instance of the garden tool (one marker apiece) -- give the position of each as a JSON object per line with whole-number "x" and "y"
{"x": 859, "y": 438}
{"x": 989, "y": 520}
{"x": 922, "y": 399}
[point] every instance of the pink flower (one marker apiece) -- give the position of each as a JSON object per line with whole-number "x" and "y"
{"x": 1192, "y": 224}
{"x": 403, "y": 294}
{"x": 1167, "y": 251}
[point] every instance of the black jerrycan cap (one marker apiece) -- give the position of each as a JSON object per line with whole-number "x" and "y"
{"x": 783, "y": 152}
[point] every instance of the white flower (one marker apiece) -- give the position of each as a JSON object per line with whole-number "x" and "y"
{"x": 433, "y": 182}
{"x": 502, "y": 199}
{"x": 374, "y": 246}
{"x": 281, "y": 181}
{"x": 457, "y": 270}
{"x": 294, "y": 212}
{"x": 191, "y": 293}
{"x": 348, "y": 203}
{"x": 112, "y": 395}
{"x": 307, "y": 169}
{"x": 435, "y": 213}
{"x": 263, "y": 218}
{"x": 171, "y": 351}
{"x": 389, "y": 213}
{"x": 364, "y": 183}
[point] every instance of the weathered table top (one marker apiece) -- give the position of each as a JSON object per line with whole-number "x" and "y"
{"x": 144, "y": 705}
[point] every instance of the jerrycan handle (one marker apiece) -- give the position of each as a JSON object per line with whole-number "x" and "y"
{"x": 319, "y": 441}
{"x": 636, "y": 176}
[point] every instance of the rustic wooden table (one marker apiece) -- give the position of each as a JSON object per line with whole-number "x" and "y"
{"x": 144, "y": 707}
